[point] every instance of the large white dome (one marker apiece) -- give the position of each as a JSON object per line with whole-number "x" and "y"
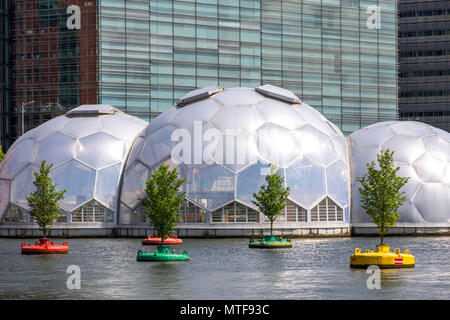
{"x": 267, "y": 124}
{"x": 87, "y": 147}
{"x": 422, "y": 152}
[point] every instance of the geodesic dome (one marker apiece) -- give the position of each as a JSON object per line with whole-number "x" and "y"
{"x": 222, "y": 141}
{"x": 422, "y": 153}
{"x": 87, "y": 147}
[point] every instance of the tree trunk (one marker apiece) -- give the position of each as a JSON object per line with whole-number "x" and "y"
{"x": 381, "y": 237}
{"x": 162, "y": 240}
{"x": 271, "y": 227}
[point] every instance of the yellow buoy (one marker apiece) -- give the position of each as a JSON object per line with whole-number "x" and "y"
{"x": 383, "y": 258}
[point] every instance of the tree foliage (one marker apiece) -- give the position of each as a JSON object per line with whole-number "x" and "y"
{"x": 163, "y": 200}
{"x": 271, "y": 197}
{"x": 43, "y": 201}
{"x": 2, "y": 155}
{"x": 381, "y": 194}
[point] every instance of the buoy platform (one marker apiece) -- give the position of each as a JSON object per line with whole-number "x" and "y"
{"x": 45, "y": 246}
{"x": 162, "y": 254}
{"x": 383, "y": 258}
{"x": 156, "y": 241}
{"x": 270, "y": 242}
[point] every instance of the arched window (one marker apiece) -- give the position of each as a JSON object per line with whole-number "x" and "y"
{"x": 190, "y": 213}
{"x": 295, "y": 213}
{"x": 327, "y": 210}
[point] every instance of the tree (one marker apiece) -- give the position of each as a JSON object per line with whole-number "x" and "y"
{"x": 380, "y": 192}
{"x": 163, "y": 199}
{"x": 271, "y": 197}
{"x": 43, "y": 201}
{"x": 2, "y": 155}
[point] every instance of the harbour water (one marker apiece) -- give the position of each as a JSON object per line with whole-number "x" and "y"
{"x": 224, "y": 269}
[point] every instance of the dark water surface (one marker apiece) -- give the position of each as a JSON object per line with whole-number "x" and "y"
{"x": 224, "y": 269}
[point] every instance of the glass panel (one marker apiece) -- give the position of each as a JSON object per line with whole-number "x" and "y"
{"x": 140, "y": 215}
{"x": 77, "y": 179}
{"x": 210, "y": 185}
{"x": 337, "y": 182}
{"x": 22, "y": 186}
{"x": 134, "y": 182}
{"x": 199, "y": 111}
{"x": 100, "y": 150}
{"x": 64, "y": 144}
{"x": 241, "y": 213}
{"x": 122, "y": 125}
{"x": 253, "y": 215}
{"x": 247, "y": 121}
{"x": 228, "y": 213}
{"x": 280, "y": 113}
{"x": 4, "y": 196}
{"x": 217, "y": 215}
{"x": 433, "y": 200}
{"x": 157, "y": 146}
{"x": 316, "y": 145}
{"x": 80, "y": 127}
{"x": 15, "y": 215}
{"x": 191, "y": 210}
{"x": 306, "y": 181}
{"x": 17, "y": 158}
{"x": 106, "y": 187}
{"x": 406, "y": 149}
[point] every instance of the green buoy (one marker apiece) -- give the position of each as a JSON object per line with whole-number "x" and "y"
{"x": 270, "y": 242}
{"x": 162, "y": 254}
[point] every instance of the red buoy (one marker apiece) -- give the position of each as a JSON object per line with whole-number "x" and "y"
{"x": 156, "y": 241}
{"x": 45, "y": 247}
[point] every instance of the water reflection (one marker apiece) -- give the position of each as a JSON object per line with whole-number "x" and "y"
{"x": 224, "y": 269}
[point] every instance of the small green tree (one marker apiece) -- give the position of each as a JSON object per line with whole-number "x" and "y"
{"x": 271, "y": 197}
{"x": 163, "y": 199}
{"x": 2, "y": 155}
{"x": 380, "y": 192}
{"x": 43, "y": 201}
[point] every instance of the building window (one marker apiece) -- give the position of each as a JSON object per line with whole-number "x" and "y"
{"x": 15, "y": 215}
{"x": 294, "y": 213}
{"x": 92, "y": 211}
{"x": 140, "y": 215}
{"x": 235, "y": 212}
{"x": 190, "y": 213}
{"x": 327, "y": 210}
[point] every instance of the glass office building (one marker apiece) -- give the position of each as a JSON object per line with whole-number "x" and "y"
{"x": 5, "y": 65}
{"x": 141, "y": 56}
{"x": 424, "y": 70}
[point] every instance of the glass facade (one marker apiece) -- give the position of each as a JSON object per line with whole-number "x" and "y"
{"x": 53, "y": 63}
{"x": 424, "y": 50}
{"x": 321, "y": 50}
{"x": 5, "y": 72}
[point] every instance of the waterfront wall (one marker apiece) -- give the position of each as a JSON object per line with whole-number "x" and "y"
{"x": 185, "y": 231}
{"x": 293, "y": 230}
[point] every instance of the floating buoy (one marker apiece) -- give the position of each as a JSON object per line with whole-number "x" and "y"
{"x": 162, "y": 254}
{"x": 45, "y": 247}
{"x": 270, "y": 242}
{"x": 383, "y": 258}
{"x": 156, "y": 241}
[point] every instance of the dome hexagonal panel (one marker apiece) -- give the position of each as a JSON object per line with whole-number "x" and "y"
{"x": 430, "y": 169}
{"x": 370, "y": 137}
{"x": 414, "y": 181}
{"x": 157, "y": 146}
{"x": 19, "y": 157}
{"x": 306, "y": 181}
{"x": 127, "y": 130}
{"x": 211, "y": 186}
{"x": 22, "y": 186}
{"x": 198, "y": 111}
{"x": 410, "y": 214}
{"x": 47, "y": 128}
{"x": 226, "y": 119}
{"x": 78, "y": 180}
{"x": 4, "y": 196}
{"x": 437, "y": 146}
{"x": 82, "y": 126}
{"x": 238, "y": 96}
{"x": 411, "y": 128}
{"x": 315, "y": 119}
{"x": 281, "y": 114}
{"x": 66, "y": 149}
{"x": 107, "y": 184}
{"x": 251, "y": 179}
{"x": 133, "y": 185}
{"x": 316, "y": 145}
{"x": 337, "y": 178}
{"x": 406, "y": 149}
{"x": 277, "y": 144}
{"x": 100, "y": 150}
{"x": 432, "y": 200}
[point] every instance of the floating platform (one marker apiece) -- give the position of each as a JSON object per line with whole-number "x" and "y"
{"x": 270, "y": 242}
{"x": 45, "y": 247}
{"x": 156, "y": 241}
{"x": 162, "y": 254}
{"x": 383, "y": 258}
